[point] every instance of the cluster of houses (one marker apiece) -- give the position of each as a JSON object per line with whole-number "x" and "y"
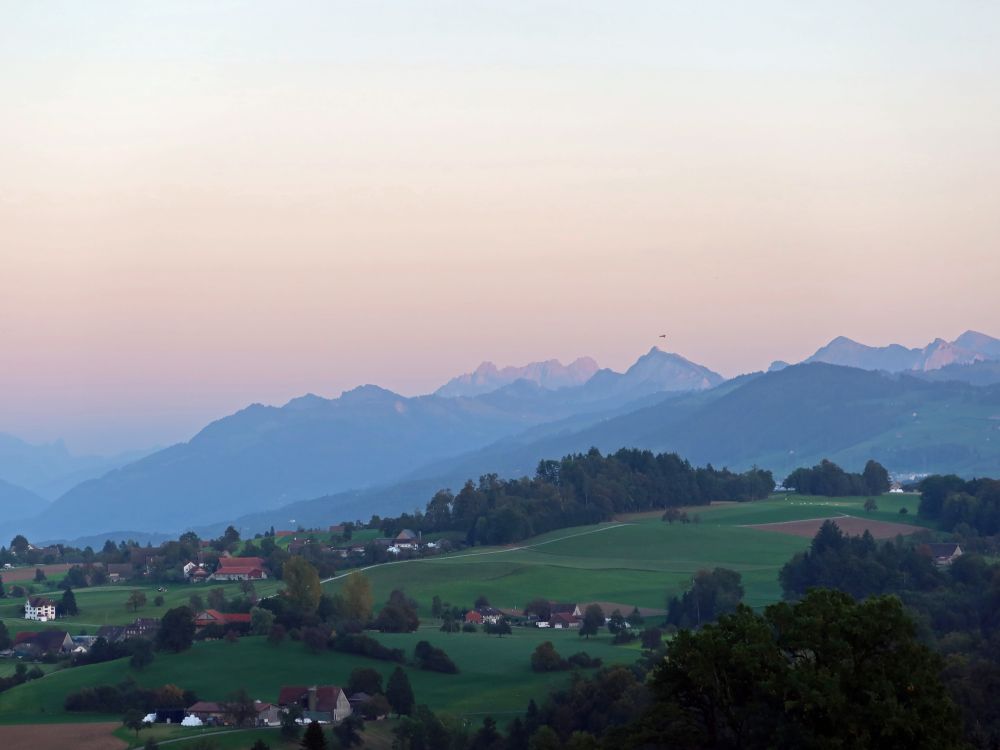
{"x": 406, "y": 541}
{"x": 326, "y": 704}
{"x": 561, "y": 616}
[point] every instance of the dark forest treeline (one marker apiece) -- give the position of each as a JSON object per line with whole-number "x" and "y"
{"x": 954, "y": 502}
{"x": 577, "y": 490}
{"x": 826, "y": 478}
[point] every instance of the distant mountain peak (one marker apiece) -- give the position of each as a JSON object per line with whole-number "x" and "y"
{"x": 970, "y": 347}
{"x": 369, "y": 392}
{"x": 550, "y": 374}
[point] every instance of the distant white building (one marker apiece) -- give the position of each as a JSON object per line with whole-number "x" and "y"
{"x": 39, "y": 608}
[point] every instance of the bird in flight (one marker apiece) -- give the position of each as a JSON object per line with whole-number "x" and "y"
{"x": 663, "y": 335}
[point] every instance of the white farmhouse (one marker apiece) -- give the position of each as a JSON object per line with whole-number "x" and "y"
{"x": 39, "y": 608}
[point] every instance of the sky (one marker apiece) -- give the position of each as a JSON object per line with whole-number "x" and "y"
{"x": 208, "y": 204}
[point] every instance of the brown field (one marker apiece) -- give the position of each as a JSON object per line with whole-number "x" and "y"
{"x": 28, "y": 573}
{"x": 848, "y": 524}
{"x": 60, "y": 737}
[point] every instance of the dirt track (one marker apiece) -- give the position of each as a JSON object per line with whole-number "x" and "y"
{"x": 850, "y": 525}
{"x": 60, "y": 737}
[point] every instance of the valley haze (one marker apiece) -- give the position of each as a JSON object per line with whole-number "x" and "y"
{"x": 318, "y": 460}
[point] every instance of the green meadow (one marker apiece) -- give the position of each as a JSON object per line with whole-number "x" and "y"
{"x": 105, "y": 605}
{"x": 495, "y": 673}
{"x": 637, "y": 560}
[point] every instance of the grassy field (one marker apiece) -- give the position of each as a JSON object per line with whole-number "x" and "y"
{"x": 105, "y": 605}
{"x": 495, "y": 674}
{"x": 639, "y": 560}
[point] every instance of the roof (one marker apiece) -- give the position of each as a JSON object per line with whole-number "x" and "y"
{"x": 206, "y": 707}
{"x": 46, "y": 640}
{"x": 558, "y": 607}
{"x": 222, "y": 618}
{"x": 241, "y": 562}
{"x": 406, "y": 535}
{"x": 40, "y": 601}
{"x": 110, "y": 632}
{"x": 326, "y": 696}
{"x": 473, "y": 616}
{"x": 943, "y": 549}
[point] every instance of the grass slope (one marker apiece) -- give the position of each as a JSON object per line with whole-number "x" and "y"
{"x": 495, "y": 677}
{"x": 638, "y": 560}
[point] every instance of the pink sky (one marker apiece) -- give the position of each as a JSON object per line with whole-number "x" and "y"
{"x": 194, "y": 220}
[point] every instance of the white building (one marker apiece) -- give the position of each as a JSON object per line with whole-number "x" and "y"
{"x": 39, "y": 608}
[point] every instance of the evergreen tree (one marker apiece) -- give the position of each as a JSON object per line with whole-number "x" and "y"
{"x": 313, "y": 738}
{"x": 593, "y": 620}
{"x": 399, "y": 693}
{"x": 68, "y": 603}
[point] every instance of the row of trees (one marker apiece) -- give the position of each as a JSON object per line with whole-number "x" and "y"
{"x": 578, "y": 489}
{"x": 954, "y": 502}
{"x": 826, "y": 478}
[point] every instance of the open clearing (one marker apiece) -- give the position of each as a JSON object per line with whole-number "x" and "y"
{"x": 60, "y": 737}
{"x": 851, "y": 525}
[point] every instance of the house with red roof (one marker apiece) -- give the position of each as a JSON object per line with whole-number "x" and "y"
{"x": 222, "y": 619}
{"x": 37, "y": 643}
{"x": 240, "y": 569}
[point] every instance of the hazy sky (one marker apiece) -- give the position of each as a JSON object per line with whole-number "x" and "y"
{"x": 207, "y": 204}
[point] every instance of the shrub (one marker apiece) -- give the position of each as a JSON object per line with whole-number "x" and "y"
{"x": 366, "y": 646}
{"x": 583, "y": 660}
{"x": 545, "y": 658}
{"x": 433, "y": 659}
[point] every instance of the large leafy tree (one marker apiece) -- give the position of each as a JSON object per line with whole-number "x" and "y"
{"x": 358, "y": 601}
{"x": 826, "y": 672}
{"x": 593, "y": 620}
{"x": 176, "y": 631}
{"x": 302, "y": 586}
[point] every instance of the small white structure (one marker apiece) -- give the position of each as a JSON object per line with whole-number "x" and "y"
{"x": 191, "y": 721}
{"x": 39, "y": 608}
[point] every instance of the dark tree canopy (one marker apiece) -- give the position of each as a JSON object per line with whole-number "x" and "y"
{"x": 577, "y": 490}
{"x": 176, "y": 631}
{"x": 712, "y": 593}
{"x": 825, "y": 672}
{"x": 399, "y": 693}
{"x": 826, "y": 478}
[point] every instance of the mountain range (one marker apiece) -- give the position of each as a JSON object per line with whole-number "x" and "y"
{"x": 263, "y": 457}
{"x": 371, "y": 450}
{"x": 967, "y": 349}
{"x": 551, "y": 374}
